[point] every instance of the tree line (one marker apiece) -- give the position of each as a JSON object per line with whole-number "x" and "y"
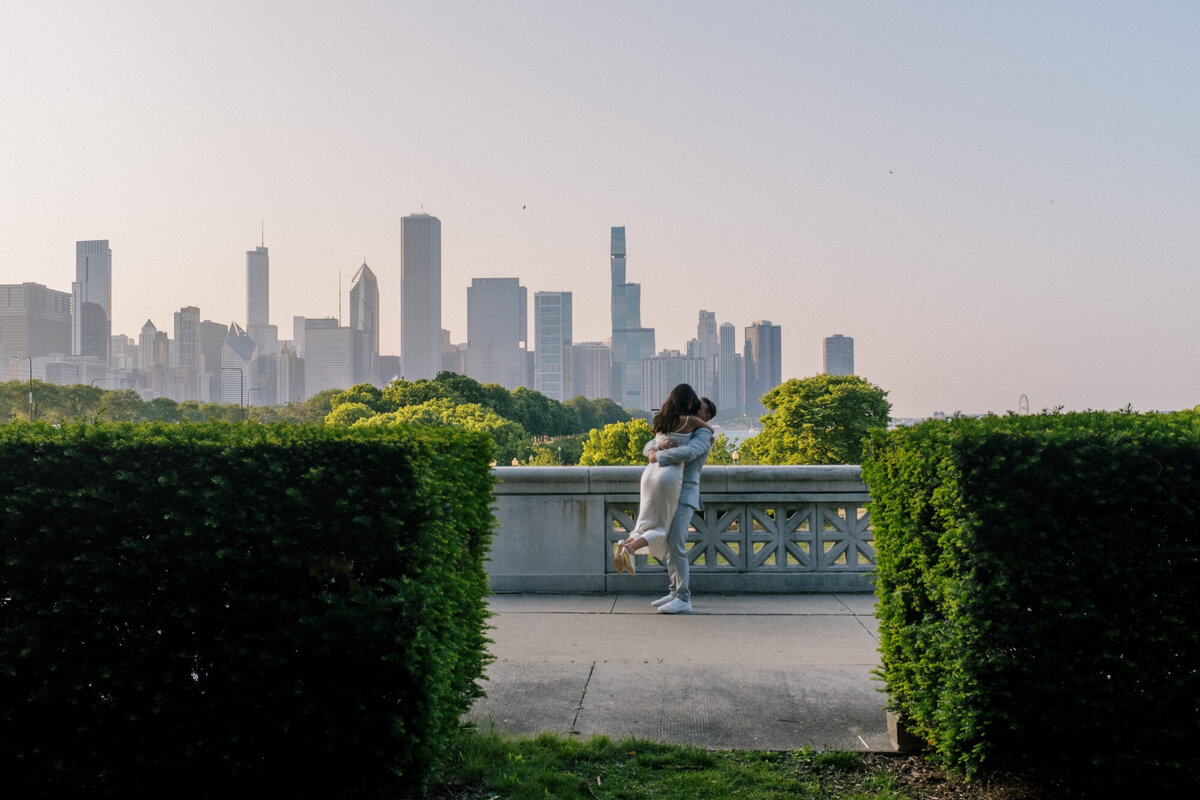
{"x": 822, "y": 419}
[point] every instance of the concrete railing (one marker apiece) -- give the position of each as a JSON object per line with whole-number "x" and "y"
{"x": 762, "y": 529}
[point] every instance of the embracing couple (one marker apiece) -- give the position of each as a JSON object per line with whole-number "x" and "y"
{"x": 671, "y": 492}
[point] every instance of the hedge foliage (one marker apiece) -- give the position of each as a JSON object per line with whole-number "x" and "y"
{"x": 1039, "y": 600}
{"x": 292, "y": 610}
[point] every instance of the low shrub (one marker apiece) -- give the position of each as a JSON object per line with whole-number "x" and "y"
{"x": 287, "y": 609}
{"x": 1038, "y": 603}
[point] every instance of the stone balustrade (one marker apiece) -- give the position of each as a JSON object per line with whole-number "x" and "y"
{"x": 762, "y": 529}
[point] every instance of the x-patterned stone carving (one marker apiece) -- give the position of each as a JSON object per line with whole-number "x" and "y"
{"x": 782, "y": 537}
{"x": 844, "y": 536}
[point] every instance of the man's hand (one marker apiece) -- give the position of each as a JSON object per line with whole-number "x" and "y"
{"x": 653, "y": 456}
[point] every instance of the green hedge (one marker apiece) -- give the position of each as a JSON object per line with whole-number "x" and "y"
{"x": 1039, "y": 599}
{"x": 290, "y": 610}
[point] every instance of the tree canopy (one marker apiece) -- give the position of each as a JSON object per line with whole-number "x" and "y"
{"x": 817, "y": 420}
{"x": 618, "y": 443}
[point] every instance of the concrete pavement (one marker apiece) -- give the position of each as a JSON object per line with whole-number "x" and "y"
{"x": 749, "y": 672}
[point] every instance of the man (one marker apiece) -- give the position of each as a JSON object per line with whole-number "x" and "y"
{"x": 692, "y": 455}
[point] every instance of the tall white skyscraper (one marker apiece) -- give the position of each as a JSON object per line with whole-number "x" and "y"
{"x": 497, "y": 330}
{"x": 258, "y": 285}
{"x": 420, "y": 297}
{"x": 364, "y": 319}
{"x": 552, "y": 343}
{"x": 839, "y": 355}
{"x": 91, "y": 300}
{"x": 329, "y": 356}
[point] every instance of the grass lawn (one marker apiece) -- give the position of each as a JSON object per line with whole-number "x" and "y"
{"x": 490, "y": 765}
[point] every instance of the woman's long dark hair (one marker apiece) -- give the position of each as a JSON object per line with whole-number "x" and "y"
{"x": 681, "y": 402}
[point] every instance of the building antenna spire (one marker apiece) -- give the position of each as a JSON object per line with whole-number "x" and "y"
{"x": 339, "y": 297}
{"x": 263, "y": 233}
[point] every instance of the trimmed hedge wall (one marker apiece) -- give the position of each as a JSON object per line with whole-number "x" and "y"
{"x": 187, "y": 610}
{"x": 1039, "y": 599}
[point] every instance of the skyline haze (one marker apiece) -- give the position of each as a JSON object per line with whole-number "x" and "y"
{"x": 993, "y": 200}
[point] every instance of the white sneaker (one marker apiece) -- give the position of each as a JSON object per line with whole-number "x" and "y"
{"x": 662, "y": 601}
{"x": 676, "y": 606}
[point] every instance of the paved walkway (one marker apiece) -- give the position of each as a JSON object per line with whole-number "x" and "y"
{"x": 770, "y": 672}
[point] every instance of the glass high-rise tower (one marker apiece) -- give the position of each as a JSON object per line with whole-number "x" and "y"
{"x": 763, "y": 363}
{"x": 258, "y": 284}
{"x": 420, "y": 297}
{"x": 839, "y": 355}
{"x": 631, "y": 343}
{"x": 497, "y": 331}
{"x": 364, "y": 318}
{"x": 91, "y": 300}
{"x": 552, "y": 344}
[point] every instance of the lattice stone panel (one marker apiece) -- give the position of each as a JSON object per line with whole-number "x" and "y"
{"x": 762, "y": 537}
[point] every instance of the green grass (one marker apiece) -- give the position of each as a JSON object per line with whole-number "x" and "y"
{"x": 494, "y": 766}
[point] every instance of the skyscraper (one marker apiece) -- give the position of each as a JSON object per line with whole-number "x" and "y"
{"x": 668, "y": 369}
{"x": 552, "y": 343}
{"x": 34, "y": 320}
{"x": 590, "y": 369}
{"x": 364, "y": 319}
{"x": 497, "y": 330}
{"x": 91, "y": 300}
{"x": 237, "y": 366}
{"x": 763, "y": 364}
{"x": 329, "y": 356}
{"x": 420, "y": 297}
{"x": 146, "y": 347}
{"x": 839, "y": 355}
{"x": 630, "y": 341}
{"x": 730, "y": 384}
{"x": 187, "y": 339}
{"x": 709, "y": 350}
{"x": 258, "y": 285}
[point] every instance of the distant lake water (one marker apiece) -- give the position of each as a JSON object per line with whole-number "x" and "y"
{"x": 737, "y": 435}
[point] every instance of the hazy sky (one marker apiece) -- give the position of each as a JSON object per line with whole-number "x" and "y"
{"x": 993, "y": 199}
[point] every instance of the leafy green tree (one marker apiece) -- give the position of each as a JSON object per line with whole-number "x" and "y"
{"x": 363, "y": 394}
{"x": 400, "y": 393}
{"x": 14, "y": 400}
{"x": 162, "y": 409}
{"x": 120, "y": 405}
{"x": 511, "y": 439}
{"x": 538, "y": 414}
{"x": 608, "y": 412}
{"x": 190, "y": 411}
{"x": 615, "y": 444}
{"x": 721, "y": 451}
{"x": 584, "y": 412}
{"x": 346, "y": 414}
{"x": 817, "y": 420}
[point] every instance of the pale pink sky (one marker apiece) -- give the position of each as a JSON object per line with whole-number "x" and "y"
{"x": 993, "y": 199}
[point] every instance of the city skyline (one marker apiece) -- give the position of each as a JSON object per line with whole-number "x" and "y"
{"x": 992, "y": 200}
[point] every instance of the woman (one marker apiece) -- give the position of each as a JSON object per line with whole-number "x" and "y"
{"x": 674, "y": 424}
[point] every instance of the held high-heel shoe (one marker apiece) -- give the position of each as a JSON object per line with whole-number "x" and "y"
{"x": 618, "y": 558}
{"x": 629, "y": 561}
